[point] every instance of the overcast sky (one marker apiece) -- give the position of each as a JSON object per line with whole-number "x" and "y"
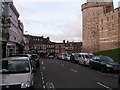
{"x": 57, "y": 19}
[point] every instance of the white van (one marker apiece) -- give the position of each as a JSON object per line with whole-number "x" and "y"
{"x": 16, "y": 72}
{"x": 84, "y": 58}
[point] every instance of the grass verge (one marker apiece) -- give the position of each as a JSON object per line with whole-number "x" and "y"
{"x": 114, "y": 54}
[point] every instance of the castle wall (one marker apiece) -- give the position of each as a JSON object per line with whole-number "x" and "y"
{"x": 90, "y": 29}
{"x": 109, "y": 30}
{"x": 91, "y": 12}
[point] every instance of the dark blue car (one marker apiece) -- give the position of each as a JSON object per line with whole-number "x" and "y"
{"x": 104, "y": 64}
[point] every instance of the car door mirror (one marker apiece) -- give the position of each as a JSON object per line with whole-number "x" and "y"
{"x": 97, "y": 60}
{"x": 33, "y": 70}
{"x": 82, "y": 57}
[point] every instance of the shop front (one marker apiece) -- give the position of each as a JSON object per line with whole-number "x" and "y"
{"x": 11, "y": 49}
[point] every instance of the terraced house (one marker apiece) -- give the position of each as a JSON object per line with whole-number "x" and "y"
{"x": 11, "y": 29}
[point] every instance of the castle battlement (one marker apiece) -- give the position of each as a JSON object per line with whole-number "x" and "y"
{"x": 116, "y": 10}
{"x": 96, "y": 4}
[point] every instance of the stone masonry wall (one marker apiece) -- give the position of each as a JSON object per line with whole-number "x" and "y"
{"x": 109, "y": 30}
{"x": 91, "y": 12}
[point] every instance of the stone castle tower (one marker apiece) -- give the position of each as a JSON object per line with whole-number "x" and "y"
{"x": 90, "y": 15}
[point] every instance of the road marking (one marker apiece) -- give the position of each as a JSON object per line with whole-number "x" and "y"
{"x": 104, "y": 85}
{"x": 50, "y": 85}
{"x": 74, "y": 70}
{"x": 42, "y": 62}
{"x": 44, "y": 86}
{"x": 62, "y": 65}
{"x": 43, "y": 82}
{"x": 43, "y": 68}
{"x": 42, "y": 74}
{"x": 42, "y": 77}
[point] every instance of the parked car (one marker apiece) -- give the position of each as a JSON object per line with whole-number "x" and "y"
{"x": 46, "y": 56}
{"x": 16, "y": 72}
{"x": 20, "y": 55}
{"x": 61, "y": 56}
{"x": 51, "y": 56}
{"x": 74, "y": 57}
{"x": 68, "y": 57}
{"x": 36, "y": 58}
{"x": 104, "y": 63}
{"x": 29, "y": 56}
{"x": 65, "y": 56}
{"x": 84, "y": 58}
{"x": 58, "y": 56}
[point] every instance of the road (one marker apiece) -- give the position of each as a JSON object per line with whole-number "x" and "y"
{"x": 54, "y": 74}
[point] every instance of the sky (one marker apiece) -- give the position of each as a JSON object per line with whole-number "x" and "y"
{"x": 58, "y": 19}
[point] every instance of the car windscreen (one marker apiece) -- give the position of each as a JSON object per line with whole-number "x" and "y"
{"x": 106, "y": 59}
{"x": 34, "y": 56}
{"x": 19, "y": 55}
{"x": 76, "y": 56}
{"x": 15, "y": 66}
{"x": 89, "y": 56}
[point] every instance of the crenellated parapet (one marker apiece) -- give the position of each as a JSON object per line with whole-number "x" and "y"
{"x": 96, "y": 4}
{"x": 116, "y": 10}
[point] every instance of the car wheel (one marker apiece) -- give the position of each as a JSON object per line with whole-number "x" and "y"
{"x": 84, "y": 63}
{"x": 73, "y": 61}
{"x": 103, "y": 69}
{"x": 32, "y": 87}
{"x": 91, "y": 66}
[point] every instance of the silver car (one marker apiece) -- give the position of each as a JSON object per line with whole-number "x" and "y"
{"x": 84, "y": 58}
{"x": 16, "y": 72}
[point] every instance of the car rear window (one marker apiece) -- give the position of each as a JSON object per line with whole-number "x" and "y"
{"x": 15, "y": 66}
{"x": 106, "y": 59}
{"x": 89, "y": 56}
